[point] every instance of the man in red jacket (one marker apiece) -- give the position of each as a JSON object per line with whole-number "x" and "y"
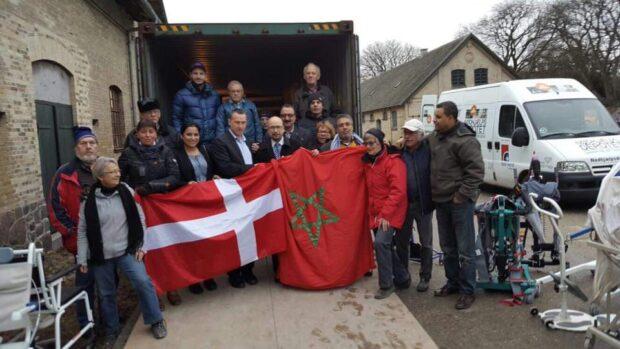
{"x": 386, "y": 179}
{"x": 69, "y": 187}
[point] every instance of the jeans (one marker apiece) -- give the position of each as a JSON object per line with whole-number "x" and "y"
{"x": 86, "y": 280}
{"x": 425, "y": 233}
{"x": 457, "y": 239}
{"x": 390, "y": 267}
{"x": 141, "y": 282}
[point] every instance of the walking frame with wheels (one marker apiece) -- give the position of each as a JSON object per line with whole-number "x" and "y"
{"x": 562, "y": 318}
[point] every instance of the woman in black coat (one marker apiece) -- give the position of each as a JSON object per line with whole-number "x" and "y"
{"x": 195, "y": 166}
{"x": 147, "y": 164}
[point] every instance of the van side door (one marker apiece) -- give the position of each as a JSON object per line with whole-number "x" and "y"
{"x": 508, "y": 158}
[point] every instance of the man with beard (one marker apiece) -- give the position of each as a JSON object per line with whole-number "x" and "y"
{"x": 70, "y": 185}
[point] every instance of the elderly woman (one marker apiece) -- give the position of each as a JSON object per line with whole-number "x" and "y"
{"x": 149, "y": 166}
{"x": 195, "y": 166}
{"x": 387, "y": 191}
{"x": 325, "y": 132}
{"x": 110, "y": 235}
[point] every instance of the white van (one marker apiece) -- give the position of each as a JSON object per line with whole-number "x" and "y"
{"x": 558, "y": 120}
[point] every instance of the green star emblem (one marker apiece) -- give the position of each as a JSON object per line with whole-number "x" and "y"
{"x": 323, "y": 216}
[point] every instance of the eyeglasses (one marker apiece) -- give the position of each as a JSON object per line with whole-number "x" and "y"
{"x": 283, "y": 115}
{"x": 112, "y": 172}
{"x": 369, "y": 144}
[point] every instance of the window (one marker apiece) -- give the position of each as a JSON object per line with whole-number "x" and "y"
{"x": 372, "y": 117}
{"x": 458, "y": 78}
{"x": 509, "y": 119}
{"x": 394, "y": 120}
{"x": 385, "y": 115}
{"x": 481, "y": 76}
{"x": 118, "y": 118}
{"x": 378, "y": 124}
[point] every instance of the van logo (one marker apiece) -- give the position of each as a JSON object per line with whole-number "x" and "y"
{"x": 505, "y": 153}
{"x": 595, "y": 145}
{"x": 477, "y": 120}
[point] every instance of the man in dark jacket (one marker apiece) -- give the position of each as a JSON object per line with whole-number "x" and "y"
{"x": 149, "y": 109}
{"x": 291, "y": 130}
{"x": 457, "y": 170}
{"x": 197, "y": 102}
{"x": 70, "y": 185}
{"x": 312, "y": 74}
{"x": 417, "y": 157}
{"x": 315, "y": 113}
{"x": 232, "y": 157}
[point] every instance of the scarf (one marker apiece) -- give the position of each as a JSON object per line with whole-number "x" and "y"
{"x": 336, "y": 141}
{"x": 93, "y": 226}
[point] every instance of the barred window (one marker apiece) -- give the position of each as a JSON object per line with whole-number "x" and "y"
{"x": 458, "y": 78}
{"x": 481, "y": 76}
{"x": 118, "y": 118}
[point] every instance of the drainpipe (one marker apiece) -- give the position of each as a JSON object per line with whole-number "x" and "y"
{"x": 133, "y": 74}
{"x": 147, "y": 6}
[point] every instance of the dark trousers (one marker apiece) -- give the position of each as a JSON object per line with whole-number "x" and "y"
{"x": 390, "y": 268}
{"x": 425, "y": 233}
{"x": 86, "y": 280}
{"x": 457, "y": 239}
{"x": 240, "y": 272}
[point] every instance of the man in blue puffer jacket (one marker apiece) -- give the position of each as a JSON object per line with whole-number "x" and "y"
{"x": 237, "y": 100}
{"x": 197, "y": 103}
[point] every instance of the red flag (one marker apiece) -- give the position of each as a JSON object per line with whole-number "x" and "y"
{"x": 328, "y": 240}
{"x": 204, "y": 230}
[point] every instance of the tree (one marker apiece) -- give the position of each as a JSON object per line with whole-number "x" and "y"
{"x": 516, "y": 31}
{"x": 381, "y": 56}
{"x": 589, "y": 32}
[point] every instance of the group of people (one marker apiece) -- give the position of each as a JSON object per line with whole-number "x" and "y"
{"x": 92, "y": 204}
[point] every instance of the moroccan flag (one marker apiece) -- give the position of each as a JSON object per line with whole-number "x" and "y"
{"x": 328, "y": 240}
{"x": 204, "y": 230}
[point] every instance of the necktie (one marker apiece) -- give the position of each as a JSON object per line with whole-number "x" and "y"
{"x": 276, "y": 150}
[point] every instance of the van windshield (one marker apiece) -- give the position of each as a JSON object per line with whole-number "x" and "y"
{"x": 570, "y": 118}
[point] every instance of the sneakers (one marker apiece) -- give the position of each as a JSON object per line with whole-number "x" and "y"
{"x": 174, "y": 297}
{"x": 422, "y": 285}
{"x": 210, "y": 285}
{"x": 383, "y": 293}
{"x": 465, "y": 301}
{"x": 159, "y": 330}
{"x": 445, "y": 291}
{"x": 196, "y": 288}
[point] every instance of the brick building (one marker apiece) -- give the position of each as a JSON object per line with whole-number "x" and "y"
{"x": 62, "y": 63}
{"x": 396, "y": 95}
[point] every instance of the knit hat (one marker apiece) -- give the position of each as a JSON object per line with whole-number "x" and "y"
{"x": 80, "y": 132}
{"x": 148, "y": 104}
{"x": 314, "y": 97}
{"x": 198, "y": 65}
{"x": 377, "y": 133}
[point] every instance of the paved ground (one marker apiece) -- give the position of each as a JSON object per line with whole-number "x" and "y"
{"x": 270, "y": 316}
{"x": 489, "y": 324}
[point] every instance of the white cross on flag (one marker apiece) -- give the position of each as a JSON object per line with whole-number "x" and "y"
{"x": 204, "y": 230}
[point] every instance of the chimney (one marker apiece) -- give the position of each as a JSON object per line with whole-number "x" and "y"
{"x": 423, "y": 51}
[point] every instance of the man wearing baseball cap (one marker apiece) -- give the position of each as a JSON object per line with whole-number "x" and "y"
{"x": 70, "y": 185}
{"x": 417, "y": 157}
{"x": 197, "y": 103}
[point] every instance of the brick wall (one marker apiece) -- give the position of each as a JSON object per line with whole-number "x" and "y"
{"x": 87, "y": 38}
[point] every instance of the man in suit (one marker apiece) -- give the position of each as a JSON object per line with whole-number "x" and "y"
{"x": 291, "y": 130}
{"x": 275, "y": 146}
{"x": 232, "y": 155}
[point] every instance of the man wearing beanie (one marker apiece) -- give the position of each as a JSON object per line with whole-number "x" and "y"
{"x": 149, "y": 110}
{"x": 70, "y": 185}
{"x": 197, "y": 103}
{"x": 315, "y": 113}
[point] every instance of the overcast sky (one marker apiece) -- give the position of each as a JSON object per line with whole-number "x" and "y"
{"x": 423, "y": 23}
